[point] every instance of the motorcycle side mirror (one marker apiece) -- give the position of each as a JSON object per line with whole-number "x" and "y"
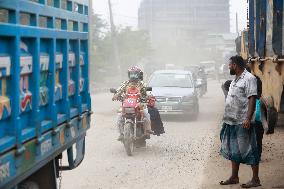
{"x": 112, "y": 90}
{"x": 149, "y": 88}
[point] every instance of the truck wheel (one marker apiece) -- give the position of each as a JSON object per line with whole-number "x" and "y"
{"x": 272, "y": 117}
{"x": 29, "y": 185}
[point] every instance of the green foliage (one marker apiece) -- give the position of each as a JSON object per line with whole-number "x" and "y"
{"x": 133, "y": 45}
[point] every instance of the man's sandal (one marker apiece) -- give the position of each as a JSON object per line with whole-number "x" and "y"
{"x": 230, "y": 182}
{"x": 251, "y": 184}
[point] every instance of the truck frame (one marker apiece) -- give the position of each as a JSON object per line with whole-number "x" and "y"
{"x": 45, "y": 103}
{"x": 263, "y": 46}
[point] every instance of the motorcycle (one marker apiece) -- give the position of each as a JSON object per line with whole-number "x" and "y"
{"x": 132, "y": 114}
{"x": 201, "y": 90}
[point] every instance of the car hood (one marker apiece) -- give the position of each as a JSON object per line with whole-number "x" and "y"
{"x": 172, "y": 91}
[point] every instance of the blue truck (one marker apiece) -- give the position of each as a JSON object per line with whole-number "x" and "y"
{"x": 45, "y": 103}
{"x": 262, "y": 44}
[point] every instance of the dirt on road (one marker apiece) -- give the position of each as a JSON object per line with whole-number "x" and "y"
{"x": 185, "y": 157}
{"x": 271, "y": 166}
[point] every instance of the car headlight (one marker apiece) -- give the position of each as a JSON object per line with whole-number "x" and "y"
{"x": 188, "y": 99}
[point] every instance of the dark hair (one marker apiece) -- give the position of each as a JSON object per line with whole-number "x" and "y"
{"x": 227, "y": 85}
{"x": 238, "y": 60}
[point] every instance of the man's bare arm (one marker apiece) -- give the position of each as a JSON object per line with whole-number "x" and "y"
{"x": 251, "y": 109}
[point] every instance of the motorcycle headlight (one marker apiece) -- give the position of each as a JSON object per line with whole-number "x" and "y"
{"x": 129, "y": 110}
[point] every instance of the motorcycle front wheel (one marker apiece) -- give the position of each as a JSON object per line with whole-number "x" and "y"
{"x": 128, "y": 139}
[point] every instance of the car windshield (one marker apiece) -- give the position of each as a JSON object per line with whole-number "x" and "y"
{"x": 171, "y": 80}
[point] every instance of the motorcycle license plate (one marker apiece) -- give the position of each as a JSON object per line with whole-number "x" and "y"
{"x": 167, "y": 108}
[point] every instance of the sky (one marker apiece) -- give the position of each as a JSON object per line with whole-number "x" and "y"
{"x": 126, "y": 12}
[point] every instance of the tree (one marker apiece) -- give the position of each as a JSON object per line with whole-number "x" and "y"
{"x": 99, "y": 30}
{"x": 133, "y": 47}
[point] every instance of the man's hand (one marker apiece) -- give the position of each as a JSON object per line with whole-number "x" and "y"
{"x": 114, "y": 98}
{"x": 251, "y": 110}
{"x": 246, "y": 124}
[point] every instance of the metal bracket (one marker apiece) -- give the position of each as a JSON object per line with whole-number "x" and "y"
{"x": 55, "y": 131}
{"x": 80, "y": 117}
{"x": 68, "y": 124}
{"x": 275, "y": 59}
{"x": 80, "y": 154}
{"x": 20, "y": 150}
{"x": 39, "y": 140}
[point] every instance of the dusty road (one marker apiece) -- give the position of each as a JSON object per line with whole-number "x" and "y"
{"x": 174, "y": 160}
{"x": 271, "y": 166}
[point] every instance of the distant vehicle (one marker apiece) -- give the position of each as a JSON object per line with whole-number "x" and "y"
{"x": 224, "y": 72}
{"x": 194, "y": 69}
{"x": 209, "y": 67}
{"x": 170, "y": 66}
{"x": 199, "y": 77}
{"x": 176, "y": 92}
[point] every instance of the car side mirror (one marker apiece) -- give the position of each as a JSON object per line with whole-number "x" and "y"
{"x": 112, "y": 90}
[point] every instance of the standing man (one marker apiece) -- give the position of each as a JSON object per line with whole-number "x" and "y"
{"x": 238, "y": 136}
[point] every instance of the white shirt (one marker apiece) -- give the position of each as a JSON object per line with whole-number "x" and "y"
{"x": 236, "y": 106}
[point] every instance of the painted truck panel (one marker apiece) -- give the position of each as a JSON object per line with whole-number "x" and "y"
{"x": 45, "y": 101}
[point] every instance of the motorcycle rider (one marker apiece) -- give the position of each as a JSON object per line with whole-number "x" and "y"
{"x": 135, "y": 76}
{"x": 202, "y": 75}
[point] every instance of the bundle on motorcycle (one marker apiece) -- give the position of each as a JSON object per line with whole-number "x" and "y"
{"x": 156, "y": 122}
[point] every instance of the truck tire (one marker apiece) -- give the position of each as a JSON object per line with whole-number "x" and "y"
{"x": 272, "y": 117}
{"x": 128, "y": 139}
{"x": 270, "y": 113}
{"x": 29, "y": 185}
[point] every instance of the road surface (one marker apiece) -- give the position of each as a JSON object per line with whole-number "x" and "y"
{"x": 175, "y": 160}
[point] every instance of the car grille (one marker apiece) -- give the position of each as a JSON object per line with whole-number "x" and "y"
{"x": 168, "y": 99}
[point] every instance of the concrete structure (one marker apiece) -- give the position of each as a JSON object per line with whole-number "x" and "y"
{"x": 184, "y": 19}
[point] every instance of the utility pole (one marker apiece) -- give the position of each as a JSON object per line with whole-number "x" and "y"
{"x": 237, "y": 24}
{"x": 114, "y": 41}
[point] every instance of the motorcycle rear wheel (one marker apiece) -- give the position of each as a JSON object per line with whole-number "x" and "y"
{"x": 128, "y": 139}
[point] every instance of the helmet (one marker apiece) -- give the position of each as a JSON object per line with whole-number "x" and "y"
{"x": 135, "y": 74}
